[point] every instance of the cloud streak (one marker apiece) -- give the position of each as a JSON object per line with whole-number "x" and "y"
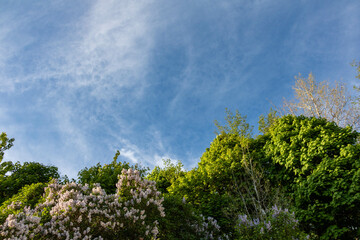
{"x": 149, "y": 77}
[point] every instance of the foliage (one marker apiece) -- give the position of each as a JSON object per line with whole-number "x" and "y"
{"x": 318, "y": 164}
{"x": 107, "y": 175}
{"x": 320, "y": 100}
{"x": 5, "y": 144}
{"x": 28, "y": 196}
{"x": 235, "y": 124}
{"x": 165, "y": 177}
{"x": 265, "y": 122}
{"x": 74, "y": 211}
{"x": 208, "y": 186}
{"x": 277, "y": 224}
{"x": 182, "y": 221}
{"x": 15, "y": 176}
{"x": 228, "y": 178}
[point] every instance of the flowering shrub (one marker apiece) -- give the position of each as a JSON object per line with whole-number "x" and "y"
{"x": 29, "y": 195}
{"x": 277, "y": 224}
{"x": 75, "y": 211}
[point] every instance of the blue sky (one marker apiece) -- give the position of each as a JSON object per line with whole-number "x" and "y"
{"x": 81, "y": 79}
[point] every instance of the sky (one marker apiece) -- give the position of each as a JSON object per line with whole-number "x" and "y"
{"x": 82, "y": 79}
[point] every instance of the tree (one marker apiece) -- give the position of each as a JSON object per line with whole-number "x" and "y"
{"x": 265, "y": 122}
{"x": 165, "y": 177}
{"x": 5, "y": 144}
{"x": 107, "y": 175}
{"x": 16, "y": 176}
{"x": 183, "y": 221}
{"x": 235, "y": 124}
{"x": 229, "y": 179}
{"x": 318, "y": 164}
{"x": 313, "y": 99}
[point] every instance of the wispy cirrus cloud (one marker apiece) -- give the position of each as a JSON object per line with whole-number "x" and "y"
{"x": 77, "y": 77}
{"x": 83, "y": 79}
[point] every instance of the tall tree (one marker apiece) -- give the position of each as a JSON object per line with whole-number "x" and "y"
{"x": 228, "y": 180}
{"x": 5, "y": 143}
{"x": 318, "y": 163}
{"x": 16, "y": 176}
{"x": 319, "y": 99}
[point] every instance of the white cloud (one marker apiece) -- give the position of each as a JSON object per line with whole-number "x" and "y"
{"x": 103, "y": 56}
{"x": 110, "y": 49}
{"x": 106, "y": 50}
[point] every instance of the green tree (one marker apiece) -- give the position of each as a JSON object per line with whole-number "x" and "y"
{"x": 28, "y": 196}
{"x": 228, "y": 180}
{"x": 16, "y": 176}
{"x": 5, "y": 144}
{"x": 107, "y": 175}
{"x": 235, "y": 124}
{"x": 265, "y": 121}
{"x": 183, "y": 221}
{"x": 209, "y": 186}
{"x": 165, "y": 177}
{"x": 318, "y": 163}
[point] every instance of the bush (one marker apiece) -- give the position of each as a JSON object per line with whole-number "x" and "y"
{"x": 277, "y": 224}
{"x": 182, "y": 221}
{"x": 76, "y": 211}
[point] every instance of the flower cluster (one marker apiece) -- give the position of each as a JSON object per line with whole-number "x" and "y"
{"x": 278, "y": 223}
{"x": 75, "y": 211}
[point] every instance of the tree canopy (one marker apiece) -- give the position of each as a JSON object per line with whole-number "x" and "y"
{"x": 318, "y": 164}
{"x": 16, "y": 176}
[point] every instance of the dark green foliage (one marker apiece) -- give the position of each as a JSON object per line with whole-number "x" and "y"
{"x": 28, "y": 196}
{"x": 318, "y": 164}
{"x": 179, "y": 216}
{"x": 15, "y": 176}
{"x": 5, "y": 144}
{"x": 107, "y": 175}
{"x": 184, "y": 221}
{"x": 165, "y": 177}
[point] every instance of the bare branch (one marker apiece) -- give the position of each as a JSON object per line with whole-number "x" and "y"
{"x": 320, "y": 100}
